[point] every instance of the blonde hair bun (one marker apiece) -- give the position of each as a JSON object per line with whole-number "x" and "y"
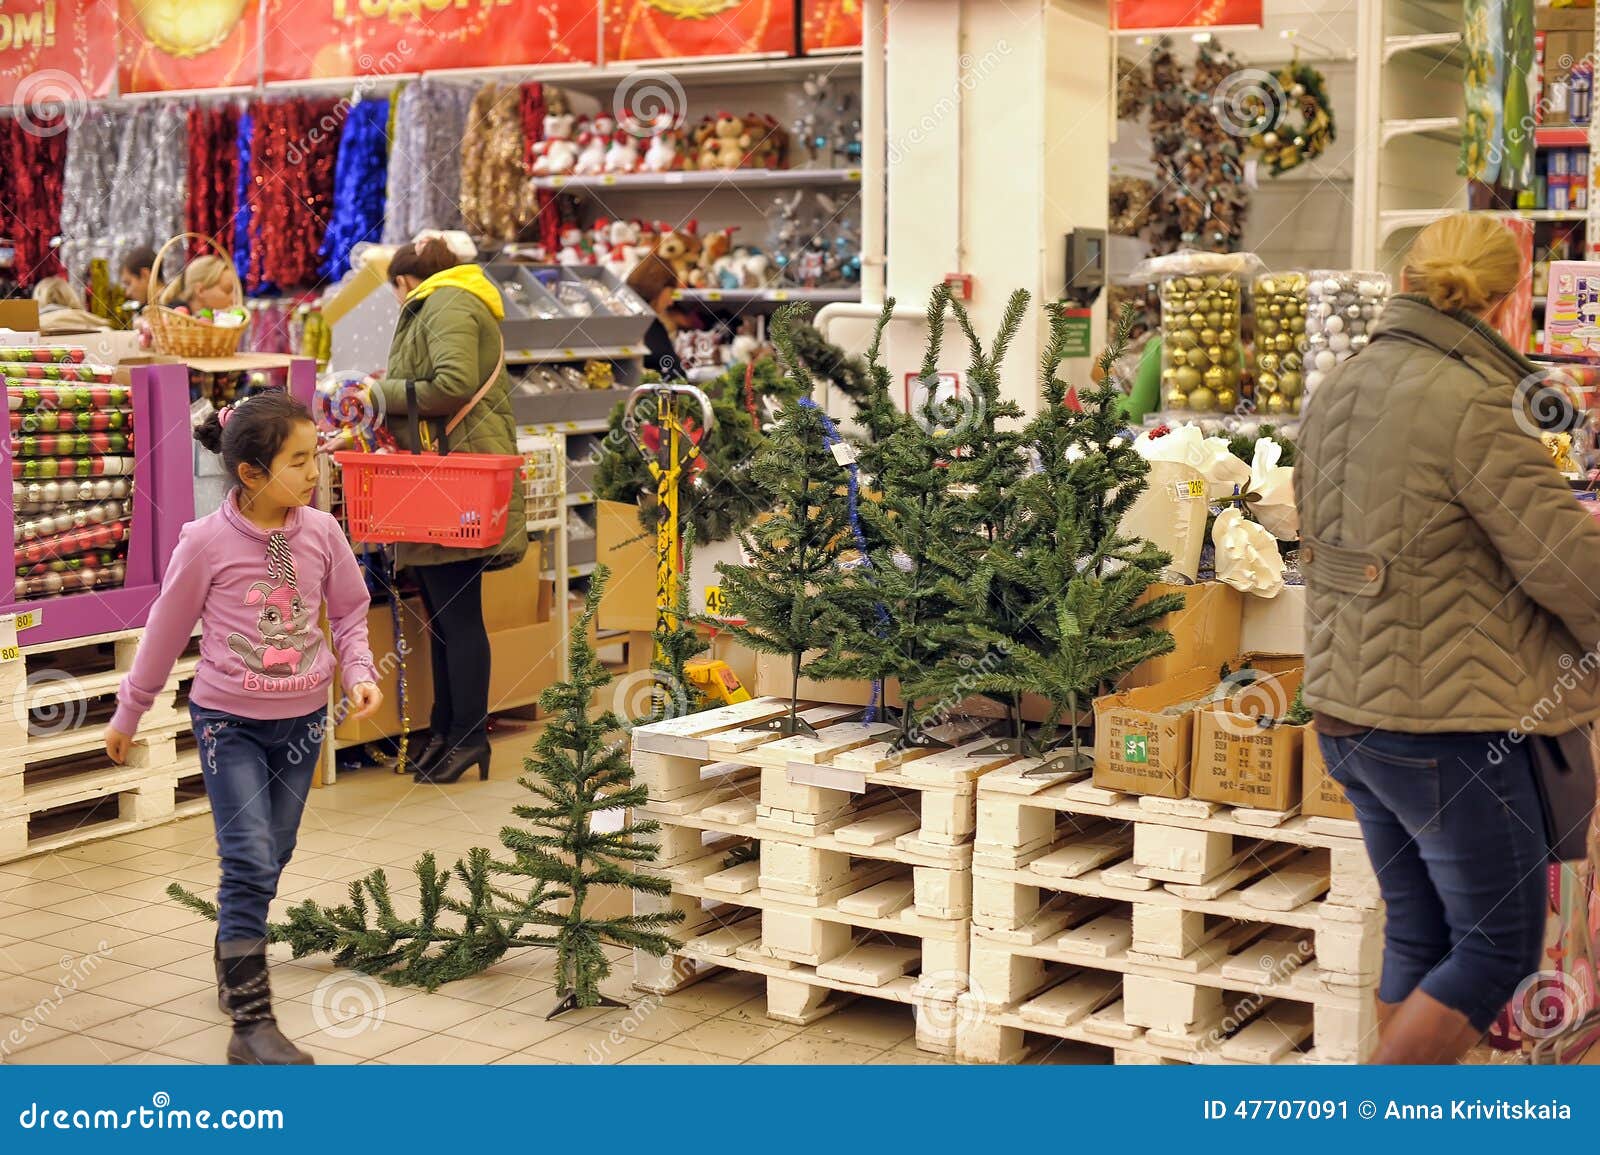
{"x": 1464, "y": 263}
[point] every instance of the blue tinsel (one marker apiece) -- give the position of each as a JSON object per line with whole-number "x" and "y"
{"x": 831, "y": 437}
{"x": 241, "y": 201}
{"x": 359, "y": 186}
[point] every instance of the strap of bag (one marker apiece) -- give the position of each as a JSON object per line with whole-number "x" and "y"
{"x": 488, "y": 384}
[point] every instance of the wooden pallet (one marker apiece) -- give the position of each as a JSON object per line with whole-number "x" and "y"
{"x": 1233, "y": 940}
{"x": 863, "y": 883}
{"x": 57, "y": 788}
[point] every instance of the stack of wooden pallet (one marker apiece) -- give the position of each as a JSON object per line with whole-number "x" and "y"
{"x": 861, "y": 881}
{"x": 57, "y": 787}
{"x": 1166, "y": 930}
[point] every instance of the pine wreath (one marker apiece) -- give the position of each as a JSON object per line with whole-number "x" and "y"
{"x": 1282, "y": 143}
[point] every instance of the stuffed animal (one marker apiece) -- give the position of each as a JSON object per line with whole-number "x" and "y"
{"x": 557, "y": 152}
{"x": 592, "y": 158}
{"x": 623, "y": 155}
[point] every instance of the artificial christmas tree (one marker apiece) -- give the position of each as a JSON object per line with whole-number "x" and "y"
{"x": 794, "y": 551}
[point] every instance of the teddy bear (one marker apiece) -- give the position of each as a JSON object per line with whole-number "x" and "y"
{"x": 623, "y": 155}
{"x": 557, "y": 152}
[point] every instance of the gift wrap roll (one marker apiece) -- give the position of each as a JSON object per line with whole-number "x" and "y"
{"x": 1172, "y": 513}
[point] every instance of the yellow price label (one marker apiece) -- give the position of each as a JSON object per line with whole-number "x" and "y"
{"x": 715, "y": 605}
{"x": 10, "y": 654}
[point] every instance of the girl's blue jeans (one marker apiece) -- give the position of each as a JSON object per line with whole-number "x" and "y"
{"x": 257, "y": 775}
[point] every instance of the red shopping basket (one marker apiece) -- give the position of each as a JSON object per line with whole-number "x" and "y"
{"x": 459, "y": 500}
{"x": 452, "y": 499}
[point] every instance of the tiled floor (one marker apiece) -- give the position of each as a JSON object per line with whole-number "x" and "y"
{"x": 98, "y": 966}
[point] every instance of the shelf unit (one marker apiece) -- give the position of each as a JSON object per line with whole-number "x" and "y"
{"x": 1409, "y": 93}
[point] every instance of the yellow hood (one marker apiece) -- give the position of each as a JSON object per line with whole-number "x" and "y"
{"x": 468, "y": 277}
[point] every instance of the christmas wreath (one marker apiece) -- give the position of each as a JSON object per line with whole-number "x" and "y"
{"x": 1283, "y": 144}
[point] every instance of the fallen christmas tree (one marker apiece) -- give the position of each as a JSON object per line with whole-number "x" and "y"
{"x": 574, "y": 773}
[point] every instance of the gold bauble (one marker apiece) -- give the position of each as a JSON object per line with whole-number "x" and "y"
{"x": 1202, "y": 400}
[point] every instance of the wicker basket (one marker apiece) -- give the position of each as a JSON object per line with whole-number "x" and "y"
{"x": 175, "y": 334}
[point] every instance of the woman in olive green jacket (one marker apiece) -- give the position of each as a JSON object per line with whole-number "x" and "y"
{"x": 446, "y": 345}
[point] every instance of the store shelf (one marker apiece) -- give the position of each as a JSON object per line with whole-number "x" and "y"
{"x": 735, "y": 178}
{"x": 1439, "y": 46}
{"x": 761, "y": 296}
{"x": 1441, "y": 128}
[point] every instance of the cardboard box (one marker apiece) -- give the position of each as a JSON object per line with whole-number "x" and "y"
{"x": 629, "y": 552}
{"x": 516, "y": 596}
{"x": 1138, "y": 746}
{"x": 1321, "y": 796}
{"x": 1241, "y": 763}
{"x": 1206, "y": 630}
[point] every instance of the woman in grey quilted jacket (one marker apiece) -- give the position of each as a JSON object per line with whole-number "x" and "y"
{"x": 1453, "y": 608}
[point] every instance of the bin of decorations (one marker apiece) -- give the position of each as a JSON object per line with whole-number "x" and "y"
{"x": 100, "y": 486}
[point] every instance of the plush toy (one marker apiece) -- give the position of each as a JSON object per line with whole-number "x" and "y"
{"x": 592, "y": 158}
{"x": 623, "y": 155}
{"x": 557, "y": 152}
{"x": 662, "y": 155}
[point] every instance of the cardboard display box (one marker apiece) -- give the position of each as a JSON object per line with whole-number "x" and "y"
{"x": 1142, "y": 748}
{"x": 1321, "y": 796}
{"x": 1241, "y": 763}
{"x": 1206, "y": 630}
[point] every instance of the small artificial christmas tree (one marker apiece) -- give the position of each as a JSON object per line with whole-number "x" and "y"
{"x": 1080, "y": 579}
{"x": 575, "y": 773}
{"x": 783, "y": 593}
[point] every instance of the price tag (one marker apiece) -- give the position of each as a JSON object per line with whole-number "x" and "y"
{"x": 10, "y": 654}
{"x": 715, "y": 605}
{"x": 26, "y": 621}
{"x": 843, "y": 453}
{"x": 1184, "y": 490}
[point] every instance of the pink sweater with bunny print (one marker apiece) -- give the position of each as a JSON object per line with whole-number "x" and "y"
{"x": 259, "y": 596}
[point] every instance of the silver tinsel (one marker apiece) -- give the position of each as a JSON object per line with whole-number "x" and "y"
{"x": 150, "y": 185}
{"x": 87, "y": 182}
{"x": 425, "y": 159}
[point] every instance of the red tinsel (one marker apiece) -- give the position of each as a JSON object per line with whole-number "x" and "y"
{"x": 546, "y": 225}
{"x": 294, "y": 145}
{"x": 32, "y": 157}
{"x": 213, "y": 174}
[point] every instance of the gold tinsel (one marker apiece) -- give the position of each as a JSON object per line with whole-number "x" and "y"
{"x": 494, "y": 195}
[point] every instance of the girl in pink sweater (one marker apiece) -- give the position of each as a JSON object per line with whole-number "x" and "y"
{"x": 256, "y": 574}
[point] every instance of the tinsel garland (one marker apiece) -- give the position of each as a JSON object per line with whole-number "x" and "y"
{"x": 31, "y": 164}
{"x": 425, "y": 159}
{"x": 91, "y": 168}
{"x": 244, "y": 182}
{"x": 291, "y": 196}
{"x": 546, "y": 223}
{"x": 358, "y": 186}
{"x": 495, "y": 192}
{"x": 148, "y": 189}
{"x": 213, "y": 175}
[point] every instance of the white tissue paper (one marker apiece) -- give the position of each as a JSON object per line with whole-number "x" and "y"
{"x": 1247, "y": 555}
{"x": 1188, "y": 446}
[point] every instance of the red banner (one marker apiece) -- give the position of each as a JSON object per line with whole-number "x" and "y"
{"x": 672, "y": 29}
{"x": 56, "y": 52}
{"x": 1155, "y": 14}
{"x": 169, "y": 45}
{"x": 832, "y": 24}
{"x": 309, "y": 39}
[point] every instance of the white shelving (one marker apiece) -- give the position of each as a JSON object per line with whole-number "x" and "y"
{"x": 751, "y": 178}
